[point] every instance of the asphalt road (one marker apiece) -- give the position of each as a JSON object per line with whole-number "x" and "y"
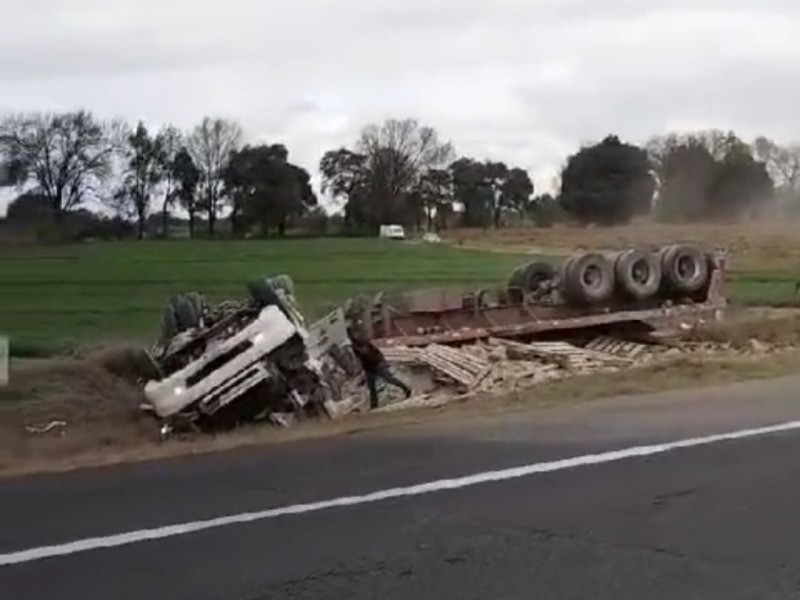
{"x": 710, "y": 520}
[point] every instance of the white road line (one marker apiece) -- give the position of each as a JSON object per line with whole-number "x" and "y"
{"x": 158, "y": 533}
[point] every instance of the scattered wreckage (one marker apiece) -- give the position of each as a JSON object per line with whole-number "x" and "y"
{"x": 219, "y": 365}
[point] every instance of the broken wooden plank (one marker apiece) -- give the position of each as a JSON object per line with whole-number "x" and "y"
{"x": 446, "y": 367}
{"x": 403, "y": 355}
{"x": 527, "y": 352}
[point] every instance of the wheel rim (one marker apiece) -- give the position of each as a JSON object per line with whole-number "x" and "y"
{"x": 592, "y": 276}
{"x": 640, "y": 272}
{"x": 686, "y": 267}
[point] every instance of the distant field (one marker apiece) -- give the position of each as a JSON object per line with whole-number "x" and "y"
{"x": 754, "y": 245}
{"x": 56, "y": 297}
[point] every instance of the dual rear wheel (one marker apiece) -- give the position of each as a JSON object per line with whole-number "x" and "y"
{"x": 635, "y": 275}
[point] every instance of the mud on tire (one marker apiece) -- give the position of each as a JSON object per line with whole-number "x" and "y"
{"x": 588, "y": 278}
{"x": 638, "y": 274}
{"x": 685, "y": 268}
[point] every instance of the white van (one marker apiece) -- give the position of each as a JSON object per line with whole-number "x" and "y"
{"x": 393, "y": 232}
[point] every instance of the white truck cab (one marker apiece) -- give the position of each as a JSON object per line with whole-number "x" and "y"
{"x": 228, "y": 368}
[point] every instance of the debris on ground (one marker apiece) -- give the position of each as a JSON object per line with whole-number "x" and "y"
{"x": 462, "y": 367}
{"x": 516, "y": 366}
{"x": 57, "y": 426}
{"x": 499, "y": 365}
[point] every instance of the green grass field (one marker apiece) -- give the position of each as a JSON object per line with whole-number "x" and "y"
{"x": 57, "y": 297}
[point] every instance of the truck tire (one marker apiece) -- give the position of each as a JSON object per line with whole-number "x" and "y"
{"x": 186, "y": 317}
{"x": 281, "y": 282}
{"x": 169, "y": 323}
{"x": 685, "y": 268}
{"x": 588, "y": 279}
{"x": 515, "y": 280}
{"x": 197, "y": 302}
{"x": 263, "y": 294}
{"x": 638, "y": 274}
{"x": 535, "y": 274}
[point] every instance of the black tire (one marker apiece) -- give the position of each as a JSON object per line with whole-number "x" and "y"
{"x": 588, "y": 279}
{"x": 638, "y": 274}
{"x": 197, "y": 302}
{"x": 262, "y": 293}
{"x": 536, "y": 274}
{"x": 169, "y": 323}
{"x": 281, "y": 282}
{"x": 565, "y": 267}
{"x": 685, "y": 268}
{"x": 515, "y": 280}
{"x": 562, "y": 277}
{"x": 186, "y": 317}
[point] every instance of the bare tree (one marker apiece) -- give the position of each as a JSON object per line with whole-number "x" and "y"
{"x": 783, "y": 162}
{"x": 171, "y": 141}
{"x": 64, "y": 157}
{"x": 144, "y": 172}
{"x": 211, "y": 145}
{"x": 187, "y": 176}
{"x": 658, "y": 149}
{"x": 718, "y": 143}
{"x": 397, "y": 154}
{"x": 121, "y": 206}
{"x": 405, "y": 148}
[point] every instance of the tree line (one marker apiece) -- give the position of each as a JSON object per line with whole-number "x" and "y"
{"x": 397, "y": 172}
{"x": 63, "y": 161}
{"x": 402, "y": 173}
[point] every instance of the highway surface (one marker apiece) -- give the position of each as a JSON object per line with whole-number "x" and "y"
{"x": 675, "y": 496}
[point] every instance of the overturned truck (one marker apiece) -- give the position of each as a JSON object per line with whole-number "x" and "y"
{"x": 219, "y": 365}
{"x": 247, "y": 361}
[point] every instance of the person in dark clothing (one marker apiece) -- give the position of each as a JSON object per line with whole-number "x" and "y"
{"x": 375, "y": 367}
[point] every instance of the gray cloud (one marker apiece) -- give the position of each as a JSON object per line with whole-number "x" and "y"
{"x": 516, "y": 80}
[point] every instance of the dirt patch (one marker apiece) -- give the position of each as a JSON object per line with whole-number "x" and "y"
{"x": 53, "y": 408}
{"x": 124, "y": 360}
{"x": 751, "y": 329}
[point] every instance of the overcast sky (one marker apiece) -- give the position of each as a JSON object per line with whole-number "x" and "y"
{"x": 523, "y": 81}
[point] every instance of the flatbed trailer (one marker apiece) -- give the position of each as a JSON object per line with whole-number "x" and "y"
{"x": 446, "y": 317}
